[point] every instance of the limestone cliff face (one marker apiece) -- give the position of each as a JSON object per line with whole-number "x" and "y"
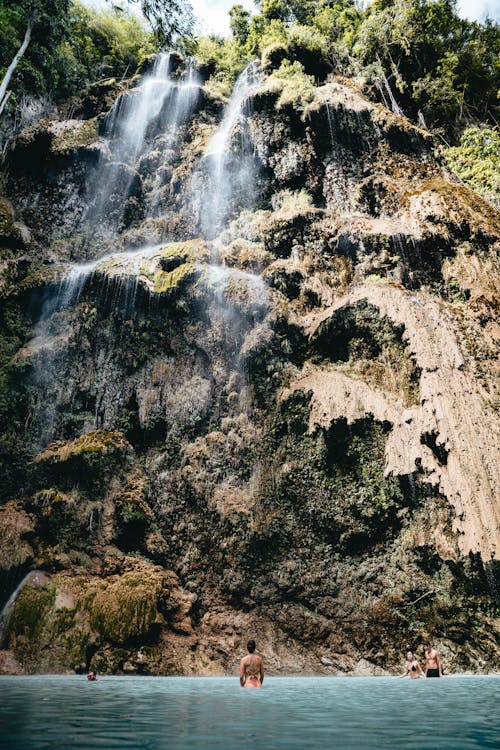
{"x": 248, "y": 361}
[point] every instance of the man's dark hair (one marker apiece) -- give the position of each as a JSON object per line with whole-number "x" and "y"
{"x": 251, "y": 645}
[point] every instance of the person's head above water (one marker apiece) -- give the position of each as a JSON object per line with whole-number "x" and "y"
{"x": 251, "y": 646}
{"x": 409, "y": 655}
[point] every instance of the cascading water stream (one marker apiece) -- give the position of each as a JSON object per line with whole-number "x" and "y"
{"x": 115, "y": 280}
{"x": 155, "y": 110}
{"x": 125, "y": 133}
{"x": 182, "y": 104}
{"x": 230, "y": 176}
{"x": 142, "y": 123}
{"x": 36, "y": 577}
{"x": 79, "y": 274}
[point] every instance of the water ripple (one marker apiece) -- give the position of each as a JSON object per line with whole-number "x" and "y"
{"x": 148, "y": 713}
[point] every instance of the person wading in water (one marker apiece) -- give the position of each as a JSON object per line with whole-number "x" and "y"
{"x": 413, "y": 668}
{"x": 251, "y": 668}
{"x": 433, "y": 667}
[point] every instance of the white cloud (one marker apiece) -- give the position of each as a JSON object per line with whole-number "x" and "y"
{"x": 213, "y": 15}
{"x": 477, "y": 10}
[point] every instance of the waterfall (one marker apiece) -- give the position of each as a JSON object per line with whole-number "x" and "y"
{"x": 79, "y": 274}
{"x": 115, "y": 281}
{"x": 152, "y": 111}
{"x": 36, "y": 577}
{"x": 143, "y": 132}
{"x": 125, "y": 131}
{"x": 182, "y": 103}
{"x": 230, "y": 175}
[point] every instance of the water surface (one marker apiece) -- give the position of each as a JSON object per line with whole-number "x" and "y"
{"x": 182, "y": 713}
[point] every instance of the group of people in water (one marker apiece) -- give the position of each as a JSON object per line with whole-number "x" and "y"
{"x": 433, "y": 666}
{"x": 252, "y": 666}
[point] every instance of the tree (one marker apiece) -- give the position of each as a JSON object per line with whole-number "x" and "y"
{"x": 477, "y": 161}
{"x": 43, "y": 19}
{"x": 4, "y": 93}
{"x": 170, "y": 19}
{"x": 239, "y": 22}
{"x": 439, "y": 64}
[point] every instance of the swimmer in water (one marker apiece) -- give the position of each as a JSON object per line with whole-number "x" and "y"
{"x": 91, "y": 677}
{"x": 433, "y": 666}
{"x": 251, "y": 668}
{"x": 413, "y": 668}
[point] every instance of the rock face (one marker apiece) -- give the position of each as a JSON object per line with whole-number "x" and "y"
{"x": 247, "y": 387}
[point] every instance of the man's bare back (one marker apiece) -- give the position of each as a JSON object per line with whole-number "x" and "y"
{"x": 251, "y": 668}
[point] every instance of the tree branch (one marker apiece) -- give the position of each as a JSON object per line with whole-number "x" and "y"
{"x": 15, "y": 62}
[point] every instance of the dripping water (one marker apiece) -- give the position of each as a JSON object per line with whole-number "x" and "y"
{"x": 183, "y": 101}
{"x": 339, "y": 183}
{"x": 125, "y": 132}
{"x": 153, "y": 111}
{"x": 230, "y": 175}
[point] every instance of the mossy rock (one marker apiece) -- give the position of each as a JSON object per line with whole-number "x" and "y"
{"x": 455, "y": 209}
{"x": 71, "y": 135}
{"x": 285, "y": 278}
{"x": 15, "y": 526}
{"x": 86, "y": 447}
{"x": 246, "y": 255}
{"x": 97, "y": 98}
{"x": 285, "y": 229}
{"x": 45, "y": 632}
{"x": 57, "y": 626}
{"x": 45, "y": 276}
{"x": 166, "y": 283}
{"x": 273, "y": 56}
{"x": 12, "y": 234}
{"x": 369, "y": 347}
{"x": 6, "y": 219}
{"x": 86, "y": 462}
{"x": 125, "y": 606}
{"x": 190, "y": 251}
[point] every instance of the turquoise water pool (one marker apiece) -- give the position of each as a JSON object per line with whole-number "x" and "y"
{"x": 155, "y": 713}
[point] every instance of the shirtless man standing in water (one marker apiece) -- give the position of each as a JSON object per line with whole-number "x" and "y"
{"x": 251, "y": 668}
{"x": 433, "y": 667}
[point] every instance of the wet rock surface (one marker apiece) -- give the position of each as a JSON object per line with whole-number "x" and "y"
{"x": 246, "y": 389}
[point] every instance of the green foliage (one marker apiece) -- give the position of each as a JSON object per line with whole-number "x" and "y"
{"x": 50, "y": 26}
{"x": 71, "y": 47}
{"x": 240, "y": 19}
{"x": 170, "y": 19}
{"x": 296, "y": 88}
{"x": 224, "y": 59}
{"x": 334, "y": 480}
{"x": 434, "y": 63}
{"x": 101, "y": 44}
{"x": 477, "y": 161}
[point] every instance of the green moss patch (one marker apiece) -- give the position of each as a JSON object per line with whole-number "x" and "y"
{"x": 73, "y": 134}
{"x": 96, "y": 442}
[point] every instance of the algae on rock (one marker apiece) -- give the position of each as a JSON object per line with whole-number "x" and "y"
{"x": 283, "y": 431}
